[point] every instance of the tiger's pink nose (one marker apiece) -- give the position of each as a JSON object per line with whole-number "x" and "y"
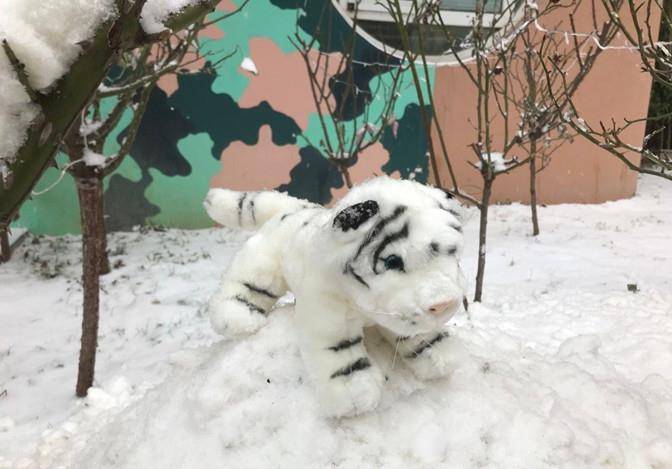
{"x": 440, "y": 308}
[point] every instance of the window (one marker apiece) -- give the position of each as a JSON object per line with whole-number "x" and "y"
{"x": 456, "y": 18}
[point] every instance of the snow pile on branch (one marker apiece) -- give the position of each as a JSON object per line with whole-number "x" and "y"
{"x": 494, "y": 159}
{"x": 46, "y": 37}
{"x": 16, "y": 114}
{"x": 91, "y": 158}
{"x": 156, "y": 12}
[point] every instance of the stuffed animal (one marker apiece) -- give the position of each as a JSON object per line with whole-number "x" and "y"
{"x": 387, "y": 255}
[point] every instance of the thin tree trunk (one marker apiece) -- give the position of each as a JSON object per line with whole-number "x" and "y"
{"x": 5, "y": 252}
{"x": 533, "y": 187}
{"x": 482, "y": 234}
{"x": 346, "y": 176}
{"x": 101, "y": 230}
{"x": 89, "y": 191}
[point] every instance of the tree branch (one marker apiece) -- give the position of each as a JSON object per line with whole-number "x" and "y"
{"x": 69, "y": 95}
{"x": 20, "y": 70}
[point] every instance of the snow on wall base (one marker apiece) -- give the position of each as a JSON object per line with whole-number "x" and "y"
{"x": 247, "y": 404}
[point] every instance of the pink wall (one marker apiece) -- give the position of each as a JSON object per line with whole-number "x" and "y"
{"x": 579, "y": 171}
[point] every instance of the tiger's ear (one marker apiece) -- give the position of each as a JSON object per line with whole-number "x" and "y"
{"x": 354, "y": 216}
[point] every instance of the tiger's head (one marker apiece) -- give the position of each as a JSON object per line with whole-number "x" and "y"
{"x": 397, "y": 248}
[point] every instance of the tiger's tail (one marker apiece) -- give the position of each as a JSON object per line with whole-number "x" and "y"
{"x": 248, "y": 210}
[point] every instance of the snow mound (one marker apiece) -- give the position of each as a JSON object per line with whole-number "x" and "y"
{"x": 508, "y": 404}
{"x": 564, "y": 367}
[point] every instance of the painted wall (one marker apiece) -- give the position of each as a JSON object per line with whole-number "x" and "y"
{"x": 229, "y": 128}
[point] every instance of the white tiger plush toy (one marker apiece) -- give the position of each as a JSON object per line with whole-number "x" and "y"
{"x": 386, "y": 255}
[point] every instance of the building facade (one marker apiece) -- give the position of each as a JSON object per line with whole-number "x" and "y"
{"x": 256, "y": 127}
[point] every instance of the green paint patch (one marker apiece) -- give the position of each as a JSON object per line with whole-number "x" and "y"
{"x": 259, "y": 19}
{"x": 220, "y": 116}
{"x": 181, "y": 197}
{"x": 55, "y": 212}
{"x": 408, "y": 148}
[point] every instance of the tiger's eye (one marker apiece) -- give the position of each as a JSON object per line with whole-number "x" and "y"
{"x": 394, "y": 262}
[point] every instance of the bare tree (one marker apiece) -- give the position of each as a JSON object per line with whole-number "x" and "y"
{"x": 638, "y": 24}
{"x": 130, "y": 92}
{"x": 541, "y": 131}
{"x": 503, "y": 65}
{"x": 345, "y": 135}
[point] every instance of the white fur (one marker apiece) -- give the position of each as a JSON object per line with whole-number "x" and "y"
{"x": 338, "y": 292}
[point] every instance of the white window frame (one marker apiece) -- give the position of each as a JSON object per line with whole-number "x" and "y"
{"x": 373, "y": 10}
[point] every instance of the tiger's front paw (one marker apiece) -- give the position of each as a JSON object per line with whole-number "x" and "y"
{"x": 352, "y": 390}
{"x": 434, "y": 356}
{"x": 234, "y": 317}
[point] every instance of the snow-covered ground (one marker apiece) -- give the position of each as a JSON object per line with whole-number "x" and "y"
{"x": 562, "y": 366}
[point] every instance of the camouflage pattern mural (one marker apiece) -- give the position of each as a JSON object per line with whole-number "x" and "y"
{"x": 227, "y": 127}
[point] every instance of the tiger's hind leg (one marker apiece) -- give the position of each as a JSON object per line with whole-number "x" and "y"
{"x": 248, "y": 290}
{"x": 429, "y": 356}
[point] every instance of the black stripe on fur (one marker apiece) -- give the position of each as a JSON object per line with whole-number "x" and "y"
{"x": 310, "y": 218}
{"x": 261, "y": 291}
{"x": 349, "y": 270}
{"x": 435, "y": 249}
{"x": 251, "y": 208}
{"x": 250, "y": 305}
{"x": 453, "y": 212}
{"x": 358, "y": 365}
{"x": 241, "y": 201}
{"x": 379, "y": 228}
{"x": 427, "y": 345}
{"x": 346, "y": 343}
{"x": 401, "y": 234}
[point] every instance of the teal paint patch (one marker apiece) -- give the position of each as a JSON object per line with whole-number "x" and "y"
{"x": 162, "y": 126}
{"x": 126, "y": 204}
{"x": 313, "y": 178}
{"x": 223, "y": 119}
{"x": 55, "y": 212}
{"x": 155, "y": 147}
{"x": 181, "y": 197}
{"x": 408, "y": 148}
{"x": 259, "y": 19}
